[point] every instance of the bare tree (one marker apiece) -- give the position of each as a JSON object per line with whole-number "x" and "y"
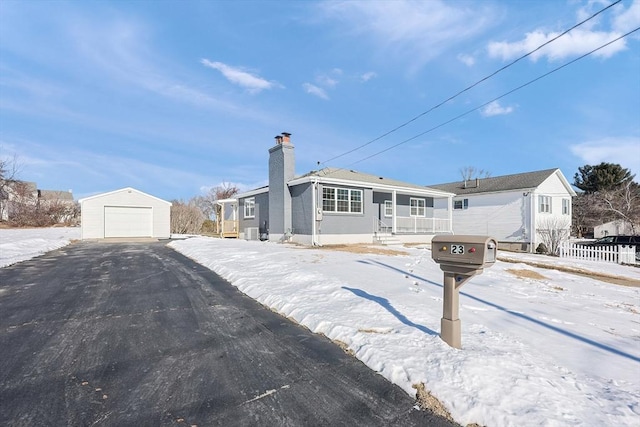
{"x": 623, "y": 203}
{"x": 9, "y": 171}
{"x": 186, "y": 218}
{"x": 586, "y": 213}
{"x": 553, "y": 231}
{"x": 207, "y": 203}
{"x": 471, "y": 172}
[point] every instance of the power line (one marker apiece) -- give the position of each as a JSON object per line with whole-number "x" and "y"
{"x": 497, "y": 98}
{"x": 470, "y": 87}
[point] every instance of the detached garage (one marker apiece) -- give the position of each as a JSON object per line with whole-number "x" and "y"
{"x": 125, "y": 213}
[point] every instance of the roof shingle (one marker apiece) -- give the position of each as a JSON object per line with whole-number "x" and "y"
{"x": 519, "y": 181}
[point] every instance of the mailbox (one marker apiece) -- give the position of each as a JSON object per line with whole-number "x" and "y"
{"x": 476, "y": 252}
{"x": 460, "y": 258}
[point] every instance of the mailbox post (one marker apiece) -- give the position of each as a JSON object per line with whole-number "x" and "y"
{"x": 460, "y": 258}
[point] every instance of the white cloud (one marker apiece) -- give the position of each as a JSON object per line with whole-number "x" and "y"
{"x": 495, "y": 109}
{"x": 623, "y": 151}
{"x": 415, "y": 30}
{"x": 627, "y": 19}
{"x": 315, "y": 90}
{"x": 577, "y": 42}
{"x": 252, "y": 83}
{"x": 326, "y": 81}
{"x": 467, "y": 60}
{"x": 368, "y": 76}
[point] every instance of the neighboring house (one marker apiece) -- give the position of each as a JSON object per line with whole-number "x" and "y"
{"x": 125, "y": 213}
{"x": 518, "y": 210}
{"x": 333, "y": 206}
{"x": 615, "y": 228}
{"x": 15, "y": 195}
{"x": 18, "y": 196}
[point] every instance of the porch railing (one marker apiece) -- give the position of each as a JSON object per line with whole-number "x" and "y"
{"x": 229, "y": 228}
{"x": 416, "y": 224}
{"x": 413, "y": 225}
{"x": 380, "y": 226}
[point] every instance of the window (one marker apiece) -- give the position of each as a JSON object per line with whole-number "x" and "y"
{"x": 566, "y": 207}
{"x": 461, "y": 204}
{"x": 544, "y": 204}
{"x": 250, "y": 208}
{"x": 341, "y": 200}
{"x": 388, "y": 208}
{"x": 417, "y": 207}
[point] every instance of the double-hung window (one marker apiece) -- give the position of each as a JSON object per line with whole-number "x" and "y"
{"x": 342, "y": 200}
{"x": 417, "y": 207}
{"x": 388, "y": 208}
{"x": 461, "y": 204}
{"x": 544, "y": 204}
{"x": 566, "y": 207}
{"x": 250, "y": 208}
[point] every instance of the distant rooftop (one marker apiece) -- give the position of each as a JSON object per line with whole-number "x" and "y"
{"x": 519, "y": 181}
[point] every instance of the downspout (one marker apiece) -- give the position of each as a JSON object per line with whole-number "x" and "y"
{"x": 450, "y": 212}
{"x": 314, "y": 213}
{"x": 533, "y": 232}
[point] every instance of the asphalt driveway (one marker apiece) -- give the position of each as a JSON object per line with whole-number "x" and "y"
{"x": 137, "y": 334}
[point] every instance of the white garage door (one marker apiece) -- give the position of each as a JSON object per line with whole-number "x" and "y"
{"x": 125, "y": 221}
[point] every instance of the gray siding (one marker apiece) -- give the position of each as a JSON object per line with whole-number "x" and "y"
{"x": 261, "y": 213}
{"x": 378, "y": 203}
{"x": 349, "y": 223}
{"x": 302, "y": 208}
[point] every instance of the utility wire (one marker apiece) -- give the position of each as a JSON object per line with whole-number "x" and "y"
{"x": 497, "y": 98}
{"x": 470, "y": 87}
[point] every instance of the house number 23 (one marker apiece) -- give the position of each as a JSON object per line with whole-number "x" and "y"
{"x": 457, "y": 249}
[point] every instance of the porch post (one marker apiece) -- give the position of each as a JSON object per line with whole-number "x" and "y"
{"x": 450, "y": 212}
{"x": 393, "y": 215}
{"x": 221, "y": 220}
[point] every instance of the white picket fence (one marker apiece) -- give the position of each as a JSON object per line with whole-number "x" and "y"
{"x": 621, "y": 254}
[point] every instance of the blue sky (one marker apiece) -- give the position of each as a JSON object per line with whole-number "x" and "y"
{"x": 174, "y": 97}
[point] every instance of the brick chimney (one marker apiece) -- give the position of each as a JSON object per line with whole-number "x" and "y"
{"x": 281, "y": 171}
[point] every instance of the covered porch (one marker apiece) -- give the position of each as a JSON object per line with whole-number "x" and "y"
{"x": 227, "y": 223}
{"x": 412, "y": 216}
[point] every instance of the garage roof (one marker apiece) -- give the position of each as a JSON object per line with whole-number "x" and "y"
{"x": 128, "y": 189}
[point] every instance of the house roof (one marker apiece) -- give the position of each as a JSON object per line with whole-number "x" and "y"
{"x": 347, "y": 176}
{"x": 56, "y": 195}
{"x": 519, "y": 181}
{"x": 129, "y": 189}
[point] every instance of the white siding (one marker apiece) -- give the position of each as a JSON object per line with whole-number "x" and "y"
{"x": 501, "y": 215}
{"x": 555, "y": 189}
{"x": 93, "y": 212}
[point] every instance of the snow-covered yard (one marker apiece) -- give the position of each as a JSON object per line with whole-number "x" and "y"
{"x": 25, "y": 243}
{"x": 540, "y": 347}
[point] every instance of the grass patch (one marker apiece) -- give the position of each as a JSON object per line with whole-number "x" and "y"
{"x": 526, "y": 274}
{"x": 364, "y": 249}
{"x": 343, "y": 345}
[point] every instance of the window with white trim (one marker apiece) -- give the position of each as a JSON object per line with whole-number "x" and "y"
{"x": 250, "y": 208}
{"x": 461, "y": 204}
{"x": 417, "y": 207}
{"x": 566, "y": 207}
{"x": 388, "y": 208}
{"x": 343, "y": 200}
{"x": 544, "y": 204}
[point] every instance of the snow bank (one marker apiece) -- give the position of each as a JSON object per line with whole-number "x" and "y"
{"x": 22, "y": 244}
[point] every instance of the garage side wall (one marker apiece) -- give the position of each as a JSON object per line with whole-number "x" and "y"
{"x": 93, "y": 212}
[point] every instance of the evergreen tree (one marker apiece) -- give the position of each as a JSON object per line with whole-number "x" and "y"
{"x": 602, "y": 177}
